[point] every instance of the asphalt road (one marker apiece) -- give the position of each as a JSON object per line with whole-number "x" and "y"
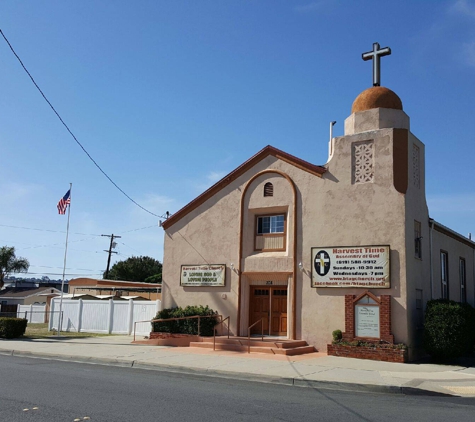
{"x": 46, "y": 390}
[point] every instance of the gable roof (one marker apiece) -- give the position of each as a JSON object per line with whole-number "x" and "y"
{"x": 84, "y": 282}
{"x": 22, "y": 293}
{"x": 226, "y": 180}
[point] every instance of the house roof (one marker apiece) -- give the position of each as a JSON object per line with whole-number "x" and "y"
{"x": 89, "y": 282}
{"x": 226, "y": 180}
{"x": 22, "y": 293}
{"x": 449, "y": 232}
{"x": 78, "y": 296}
{"x": 134, "y": 298}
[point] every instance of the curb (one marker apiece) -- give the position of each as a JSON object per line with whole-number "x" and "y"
{"x": 242, "y": 376}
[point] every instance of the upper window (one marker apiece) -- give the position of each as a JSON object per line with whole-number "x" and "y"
{"x": 268, "y": 189}
{"x": 270, "y": 233}
{"x": 463, "y": 290}
{"x": 444, "y": 274}
{"x": 270, "y": 224}
{"x": 417, "y": 240}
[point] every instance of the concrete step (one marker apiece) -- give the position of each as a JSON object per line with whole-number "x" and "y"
{"x": 291, "y": 344}
{"x": 267, "y": 342}
{"x": 294, "y": 351}
{"x": 286, "y": 347}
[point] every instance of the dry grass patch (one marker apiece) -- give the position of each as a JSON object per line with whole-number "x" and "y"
{"x": 41, "y": 331}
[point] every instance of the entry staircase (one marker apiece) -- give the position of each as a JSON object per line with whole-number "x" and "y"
{"x": 270, "y": 345}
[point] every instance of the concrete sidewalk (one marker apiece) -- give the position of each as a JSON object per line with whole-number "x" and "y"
{"x": 315, "y": 370}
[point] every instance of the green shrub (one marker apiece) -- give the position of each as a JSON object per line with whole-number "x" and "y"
{"x": 449, "y": 329}
{"x": 186, "y": 326}
{"x": 12, "y": 327}
{"x": 337, "y": 335}
{"x": 156, "y": 278}
{"x": 375, "y": 345}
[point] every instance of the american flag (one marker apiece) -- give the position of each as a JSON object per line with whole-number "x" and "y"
{"x": 64, "y": 202}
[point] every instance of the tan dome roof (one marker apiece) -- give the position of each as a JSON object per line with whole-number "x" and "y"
{"x": 376, "y": 97}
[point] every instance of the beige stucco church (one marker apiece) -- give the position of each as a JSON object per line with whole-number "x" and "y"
{"x": 284, "y": 240}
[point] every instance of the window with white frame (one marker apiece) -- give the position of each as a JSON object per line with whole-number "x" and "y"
{"x": 444, "y": 274}
{"x": 270, "y": 224}
{"x": 270, "y": 232}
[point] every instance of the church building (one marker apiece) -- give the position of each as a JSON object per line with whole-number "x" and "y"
{"x": 307, "y": 249}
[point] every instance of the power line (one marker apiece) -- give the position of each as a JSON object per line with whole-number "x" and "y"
{"x": 76, "y": 274}
{"x": 141, "y": 228}
{"x": 71, "y": 133}
{"x": 127, "y": 246}
{"x": 56, "y": 244}
{"x": 68, "y": 268}
{"x": 79, "y": 234}
{"x": 46, "y": 230}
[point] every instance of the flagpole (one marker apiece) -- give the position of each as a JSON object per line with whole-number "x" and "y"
{"x": 64, "y": 266}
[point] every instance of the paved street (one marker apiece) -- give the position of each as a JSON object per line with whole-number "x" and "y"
{"x": 43, "y": 390}
{"x": 314, "y": 370}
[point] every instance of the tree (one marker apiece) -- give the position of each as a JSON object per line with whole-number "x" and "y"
{"x": 9, "y": 263}
{"x": 137, "y": 268}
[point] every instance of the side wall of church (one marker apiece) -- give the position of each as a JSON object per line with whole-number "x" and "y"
{"x": 417, "y": 267}
{"x": 456, "y": 251}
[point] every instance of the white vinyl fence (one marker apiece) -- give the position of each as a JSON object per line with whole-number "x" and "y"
{"x": 33, "y": 313}
{"x": 104, "y": 316}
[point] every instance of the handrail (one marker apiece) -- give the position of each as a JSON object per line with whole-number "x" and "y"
{"x": 249, "y": 334}
{"x": 177, "y": 319}
{"x": 214, "y": 329}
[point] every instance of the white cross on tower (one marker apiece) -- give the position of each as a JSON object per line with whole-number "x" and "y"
{"x": 322, "y": 259}
{"x": 376, "y": 55}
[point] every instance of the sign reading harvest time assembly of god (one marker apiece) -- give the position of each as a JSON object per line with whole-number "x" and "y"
{"x": 351, "y": 266}
{"x": 203, "y": 275}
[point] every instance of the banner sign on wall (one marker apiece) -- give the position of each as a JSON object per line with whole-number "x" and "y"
{"x": 351, "y": 266}
{"x": 203, "y": 275}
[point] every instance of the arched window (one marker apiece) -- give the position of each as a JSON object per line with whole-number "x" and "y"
{"x": 268, "y": 189}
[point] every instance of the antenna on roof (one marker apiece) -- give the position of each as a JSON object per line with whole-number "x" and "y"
{"x": 330, "y": 143}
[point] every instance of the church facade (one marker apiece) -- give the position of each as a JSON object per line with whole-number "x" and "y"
{"x": 285, "y": 241}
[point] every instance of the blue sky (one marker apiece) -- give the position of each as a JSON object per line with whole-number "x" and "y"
{"x": 170, "y": 96}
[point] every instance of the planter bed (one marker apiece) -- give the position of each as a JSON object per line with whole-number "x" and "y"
{"x": 169, "y": 339}
{"x": 382, "y": 353}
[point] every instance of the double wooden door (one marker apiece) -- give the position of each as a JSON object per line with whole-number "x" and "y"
{"x": 270, "y": 305}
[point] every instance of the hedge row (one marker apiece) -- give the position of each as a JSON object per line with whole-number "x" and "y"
{"x": 12, "y": 327}
{"x": 186, "y": 326}
{"x": 449, "y": 329}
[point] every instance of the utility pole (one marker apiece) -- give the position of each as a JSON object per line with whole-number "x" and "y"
{"x": 110, "y": 251}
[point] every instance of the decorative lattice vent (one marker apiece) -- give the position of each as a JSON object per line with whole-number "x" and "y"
{"x": 363, "y": 162}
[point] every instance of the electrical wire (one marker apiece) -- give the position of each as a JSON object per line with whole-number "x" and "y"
{"x": 56, "y": 244}
{"x": 76, "y": 274}
{"x": 46, "y": 230}
{"x": 79, "y": 234}
{"x": 68, "y": 268}
{"x": 141, "y": 228}
{"x": 127, "y": 246}
{"x": 71, "y": 133}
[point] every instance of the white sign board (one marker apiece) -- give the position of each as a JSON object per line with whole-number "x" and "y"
{"x": 203, "y": 275}
{"x": 354, "y": 266}
{"x": 367, "y": 321}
